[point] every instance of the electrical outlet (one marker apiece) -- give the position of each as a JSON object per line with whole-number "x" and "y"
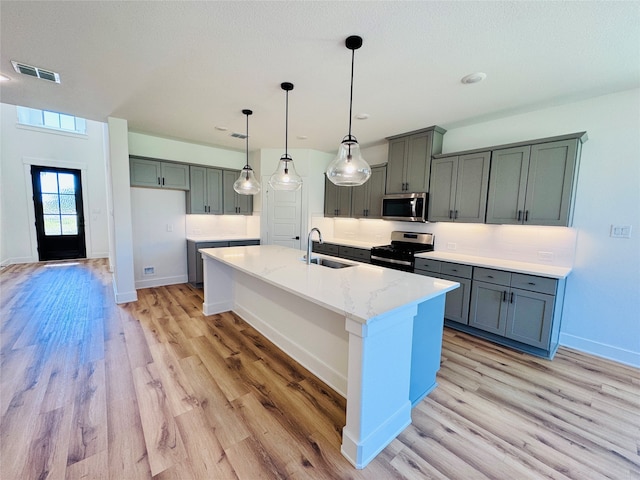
{"x": 545, "y": 256}
{"x": 149, "y": 271}
{"x": 452, "y": 246}
{"x": 620, "y": 231}
{"x": 169, "y": 227}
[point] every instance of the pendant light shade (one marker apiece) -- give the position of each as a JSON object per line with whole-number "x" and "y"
{"x": 285, "y": 177}
{"x": 246, "y": 184}
{"x": 349, "y": 169}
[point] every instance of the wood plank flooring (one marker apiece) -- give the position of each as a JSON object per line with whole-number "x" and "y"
{"x": 154, "y": 389}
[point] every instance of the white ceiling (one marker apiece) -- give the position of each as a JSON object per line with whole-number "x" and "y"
{"x": 178, "y": 69}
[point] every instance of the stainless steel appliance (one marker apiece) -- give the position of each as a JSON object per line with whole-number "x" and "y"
{"x": 401, "y": 253}
{"x": 407, "y": 207}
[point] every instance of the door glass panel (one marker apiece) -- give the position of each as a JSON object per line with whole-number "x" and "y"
{"x": 52, "y": 225}
{"x": 67, "y": 204}
{"x": 67, "y": 183}
{"x": 69, "y": 225}
{"x": 49, "y": 182}
{"x": 50, "y": 204}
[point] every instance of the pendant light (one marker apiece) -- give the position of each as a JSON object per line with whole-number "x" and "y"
{"x": 247, "y": 184}
{"x": 285, "y": 177}
{"x": 349, "y": 169}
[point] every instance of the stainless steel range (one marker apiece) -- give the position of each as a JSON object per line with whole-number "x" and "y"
{"x": 401, "y": 253}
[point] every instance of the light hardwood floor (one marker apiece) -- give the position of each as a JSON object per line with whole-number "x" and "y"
{"x": 154, "y": 389}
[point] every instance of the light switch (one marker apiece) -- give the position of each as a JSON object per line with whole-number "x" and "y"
{"x": 620, "y": 231}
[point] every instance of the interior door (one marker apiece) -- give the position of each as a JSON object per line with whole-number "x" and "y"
{"x": 57, "y": 198}
{"x": 285, "y": 217}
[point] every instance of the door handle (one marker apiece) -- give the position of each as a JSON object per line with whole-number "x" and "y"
{"x": 295, "y": 238}
{"x": 504, "y": 295}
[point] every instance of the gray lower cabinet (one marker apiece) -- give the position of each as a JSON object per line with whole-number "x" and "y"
{"x": 456, "y": 306}
{"x": 205, "y": 196}
{"x": 533, "y": 184}
{"x": 194, "y": 257}
{"x": 516, "y": 306}
{"x": 234, "y": 203}
{"x": 337, "y": 200}
{"x": 326, "y": 248}
{"x": 517, "y": 310}
{"x": 355, "y": 253}
{"x": 366, "y": 200}
{"x": 147, "y": 172}
{"x": 458, "y": 190}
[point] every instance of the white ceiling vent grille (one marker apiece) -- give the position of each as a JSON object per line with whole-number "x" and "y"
{"x": 35, "y": 72}
{"x": 238, "y": 135}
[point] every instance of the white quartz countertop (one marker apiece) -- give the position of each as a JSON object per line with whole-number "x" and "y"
{"x": 361, "y": 292}
{"x": 500, "y": 264}
{"x": 220, "y": 238}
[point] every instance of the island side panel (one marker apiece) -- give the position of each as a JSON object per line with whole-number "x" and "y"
{"x": 218, "y": 286}
{"x": 378, "y": 406}
{"x": 311, "y": 334}
{"x": 427, "y": 347}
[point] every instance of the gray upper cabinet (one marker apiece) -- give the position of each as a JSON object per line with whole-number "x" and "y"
{"x": 233, "y": 202}
{"x": 533, "y": 184}
{"x": 337, "y": 200}
{"x": 146, "y": 172}
{"x": 205, "y": 196}
{"x": 458, "y": 191}
{"x": 409, "y": 160}
{"x": 366, "y": 200}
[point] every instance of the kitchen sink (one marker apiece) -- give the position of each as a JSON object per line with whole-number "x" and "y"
{"x": 325, "y": 262}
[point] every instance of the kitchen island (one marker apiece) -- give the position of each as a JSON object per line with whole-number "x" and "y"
{"x": 371, "y": 333}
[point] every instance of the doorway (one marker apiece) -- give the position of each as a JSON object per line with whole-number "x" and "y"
{"x": 57, "y": 198}
{"x": 284, "y": 216}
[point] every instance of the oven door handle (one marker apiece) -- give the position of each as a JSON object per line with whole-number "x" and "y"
{"x": 391, "y": 260}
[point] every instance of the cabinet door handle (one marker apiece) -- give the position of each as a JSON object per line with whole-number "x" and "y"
{"x": 162, "y": 180}
{"x": 159, "y": 181}
{"x": 526, "y": 215}
{"x": 450, "y": 213}
{"x": 504, "y": 295}
{"x": 489, "y": 276}
{"x": 532, "y": 283}
{"x": 455, "y": 215}
{"x": 454, "y": 269}
{"x": 406, "y": 186}
{"x": 511, "y": 300}
{"x": 519, "y": 215}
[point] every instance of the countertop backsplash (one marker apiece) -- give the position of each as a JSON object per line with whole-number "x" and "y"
{"x": 206, "y": 225}
{"x": 532, "y": 244}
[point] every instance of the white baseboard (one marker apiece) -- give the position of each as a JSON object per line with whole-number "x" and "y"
{"x": 609, "y": 352}
{"x": 161, "y": 281}
{"x": 123, "y": 297}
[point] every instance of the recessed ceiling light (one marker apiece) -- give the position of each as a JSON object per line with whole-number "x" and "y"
{"x": 222, "y": 129}
{"x": 362, "y": 116}
{"x": 4, "y": 78}
{"x": 473, "y": 78}
{"x": 302, "y": 137}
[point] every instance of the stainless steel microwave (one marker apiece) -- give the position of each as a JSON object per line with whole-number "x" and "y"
{"x": 406, "y": 207}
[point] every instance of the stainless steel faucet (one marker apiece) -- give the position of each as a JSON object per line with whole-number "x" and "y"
{"x": 309, "y": 243}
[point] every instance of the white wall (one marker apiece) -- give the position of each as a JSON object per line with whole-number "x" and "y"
{"x": 23, "y": 146}
{"x": 155, "y": 211}
{"x": 602, "y": 302}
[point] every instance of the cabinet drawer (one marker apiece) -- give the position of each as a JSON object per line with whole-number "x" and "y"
{"x": 428, "y": 265}
{"x": 492, "y": 276}
{"x": 243, "y": 243}
{"x": 360, "y": 254}
{"x": 533, "y": 283}
{"x": 326, "y": 248}
{"x": 200, "y": 245}
{"x": 456, "y": 269}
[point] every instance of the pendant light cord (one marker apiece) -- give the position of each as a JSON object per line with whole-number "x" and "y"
{"x": 247, "y": 165}
{"x": 286, "y": 125}
{"x": 353, "y": 54}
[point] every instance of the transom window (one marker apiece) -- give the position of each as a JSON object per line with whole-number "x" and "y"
{"x": 50, "y": 119}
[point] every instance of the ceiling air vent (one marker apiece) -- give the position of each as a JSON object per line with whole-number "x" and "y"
{"x": 238, "y": 135}
{"x": 35, "y": 72}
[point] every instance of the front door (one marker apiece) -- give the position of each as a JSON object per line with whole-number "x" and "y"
{"x": 57, "y": 198}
